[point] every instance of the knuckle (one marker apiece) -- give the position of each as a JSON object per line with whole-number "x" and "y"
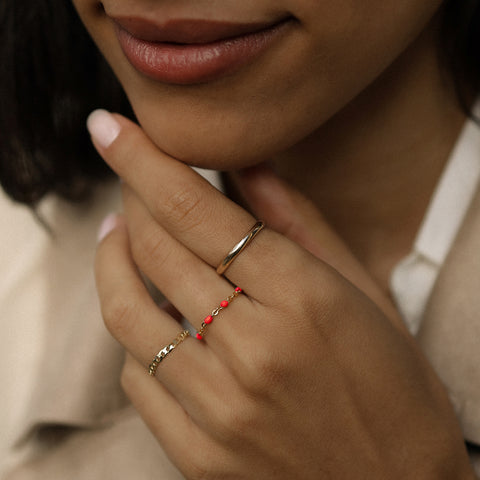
{"x": 315, "y": 301}
{"x": 185, "y": 207}
{"x": 201, "y": 467}
{"x": 331, "y": 312}
{"x": 267, "y": 372}
{"x": 118, "y": 314}
{"x": 236, "y": 421}
{"x": 197, "y": 471}
{"x": 291, "y": 278}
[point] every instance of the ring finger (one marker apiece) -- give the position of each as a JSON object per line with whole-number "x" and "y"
{"x": 191, "y": 370}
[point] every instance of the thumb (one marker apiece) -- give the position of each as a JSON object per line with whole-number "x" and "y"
{"x": 289, "y": 212}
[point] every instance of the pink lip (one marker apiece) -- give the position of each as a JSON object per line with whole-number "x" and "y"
{"x": 186, "y": 52}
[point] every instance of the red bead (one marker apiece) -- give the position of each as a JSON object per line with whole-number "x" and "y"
{"x": 208, "y": 319}
{"x": 198, "y": 336}
{"x": 238, "y": 290}
{"x": 224, "y": 304}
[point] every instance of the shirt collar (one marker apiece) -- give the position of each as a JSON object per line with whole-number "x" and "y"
{"x": 452, "y": 196}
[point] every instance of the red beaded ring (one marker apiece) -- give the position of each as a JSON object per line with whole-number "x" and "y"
{"x": 209, "y": 318}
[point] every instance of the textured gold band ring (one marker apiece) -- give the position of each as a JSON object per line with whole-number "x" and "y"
{"x": 162, "y": 354}
{"x": 239, "y": 247}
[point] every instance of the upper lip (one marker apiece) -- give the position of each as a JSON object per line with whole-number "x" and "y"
{"x": 188, "y": 31}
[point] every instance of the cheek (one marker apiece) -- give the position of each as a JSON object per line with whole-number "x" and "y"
{"x": 336, "y": 50}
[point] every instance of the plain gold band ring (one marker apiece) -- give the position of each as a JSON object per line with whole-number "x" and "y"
{"x": 239, "y": 247}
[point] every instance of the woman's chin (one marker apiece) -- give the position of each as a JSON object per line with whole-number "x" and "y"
{"x": 209, "y": 151}
{"x": 220, "y": 162}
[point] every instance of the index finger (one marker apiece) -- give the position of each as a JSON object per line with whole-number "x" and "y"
{"x": 190, "y": 209}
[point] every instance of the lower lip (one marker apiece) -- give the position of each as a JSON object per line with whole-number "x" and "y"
{"x": 195, "y": 63}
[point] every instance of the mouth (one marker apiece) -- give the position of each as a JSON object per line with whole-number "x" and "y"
{"x": 187, "y": 52}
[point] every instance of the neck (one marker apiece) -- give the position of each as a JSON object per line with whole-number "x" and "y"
{"x": 373, "y": 167}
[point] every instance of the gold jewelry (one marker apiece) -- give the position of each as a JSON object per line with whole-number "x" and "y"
{"x": 161, "y": 355}
{"x": 209, "y": 318}
{"x": 239, "y": 247}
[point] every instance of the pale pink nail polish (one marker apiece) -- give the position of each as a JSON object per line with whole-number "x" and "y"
{"x": 108, "y": 224}
{"x": 103, "y": 127}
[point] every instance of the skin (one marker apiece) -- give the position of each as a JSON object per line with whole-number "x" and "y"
{"x": 333, "y": 76}
{"x": 345, "y": 95}
{"x": 303, "y": 376}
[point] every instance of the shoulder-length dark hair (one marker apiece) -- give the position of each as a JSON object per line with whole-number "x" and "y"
{"x": 53, "y": 76}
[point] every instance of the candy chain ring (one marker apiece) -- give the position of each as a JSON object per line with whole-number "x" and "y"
{"x": 209, "y": 318}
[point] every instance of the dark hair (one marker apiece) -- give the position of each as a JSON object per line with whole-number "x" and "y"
{"x": 459, "y": 49}
{"x": 53, "y": 76}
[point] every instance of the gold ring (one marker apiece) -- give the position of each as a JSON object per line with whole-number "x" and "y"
{"x": 161, "y": 355}
{"x": 239, "y": 247}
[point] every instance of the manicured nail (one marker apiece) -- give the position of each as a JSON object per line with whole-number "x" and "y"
{"x": 103, "y": 127}
{"x": 108, "y": 224}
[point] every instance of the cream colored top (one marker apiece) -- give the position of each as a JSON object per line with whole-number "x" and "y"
{"x": 47, "y": 280}
{"x": 52, "y": 337}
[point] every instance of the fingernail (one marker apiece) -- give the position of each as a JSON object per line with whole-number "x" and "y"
{"x": 103, "y": 127}
{"x": 108, "y": 224}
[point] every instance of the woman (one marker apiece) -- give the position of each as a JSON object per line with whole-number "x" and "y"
{"x": 310, "y": 372}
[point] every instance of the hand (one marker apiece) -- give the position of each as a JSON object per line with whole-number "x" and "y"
{"x": 302, "y": 376}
